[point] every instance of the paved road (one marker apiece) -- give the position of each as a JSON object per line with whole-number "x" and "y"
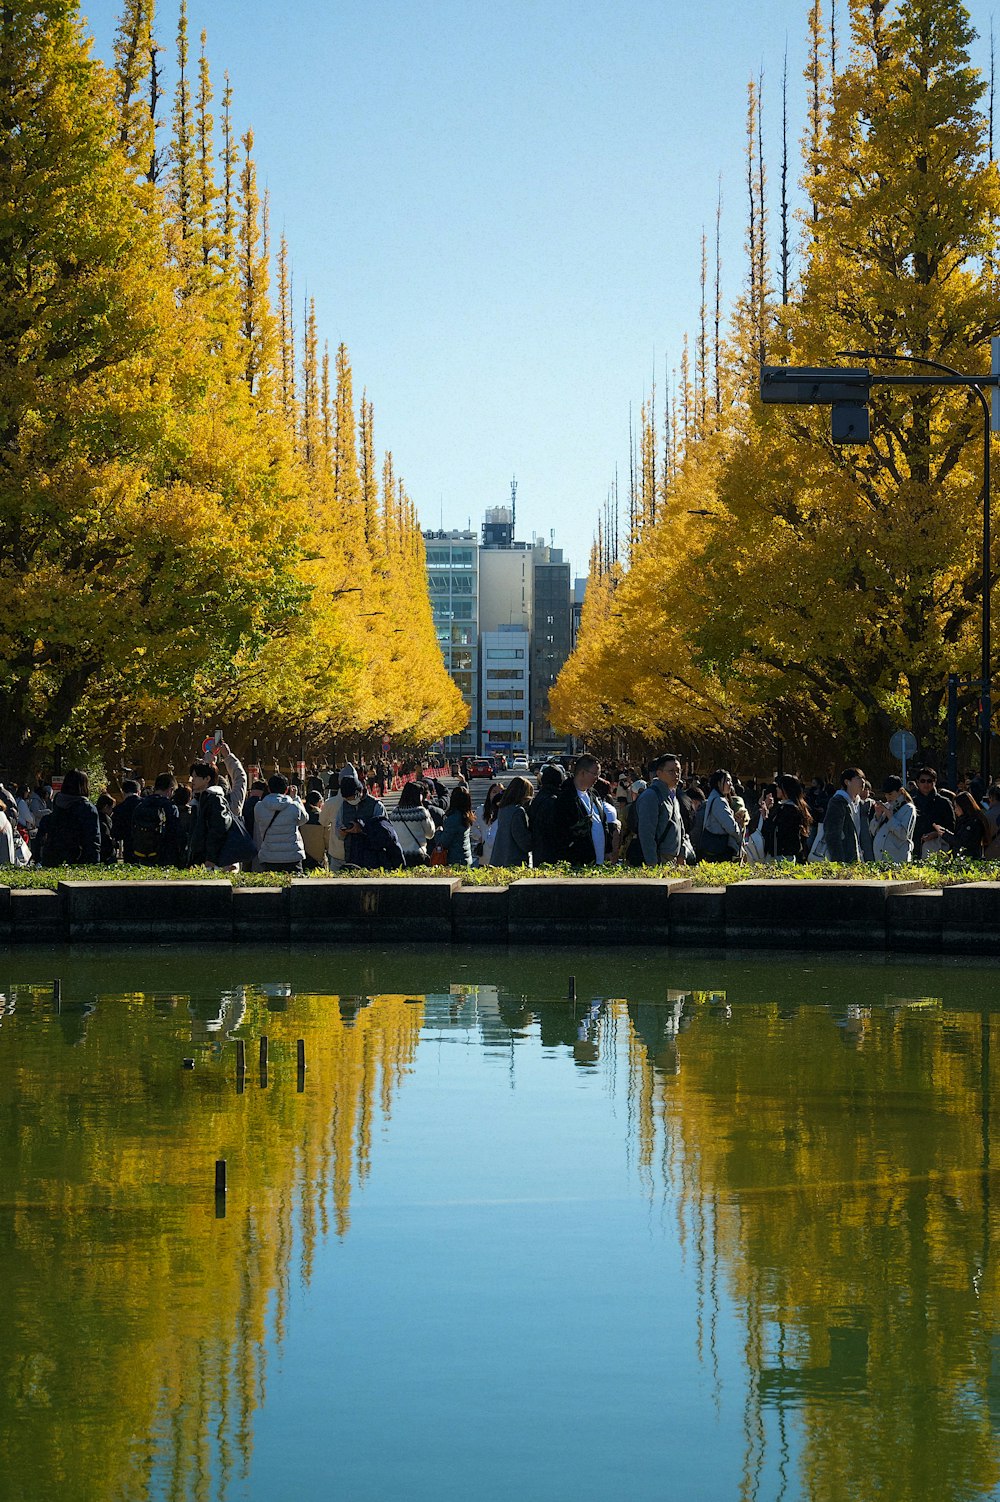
{"x": 479, "y": 787}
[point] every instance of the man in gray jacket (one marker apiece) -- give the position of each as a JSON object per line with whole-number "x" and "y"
{"x": 842, "y": 820}
{"x": 658, "y": 816}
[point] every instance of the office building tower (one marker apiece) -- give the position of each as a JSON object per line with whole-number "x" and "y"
{"x": 551, "y": 630}
{"x": 453, "y": 582}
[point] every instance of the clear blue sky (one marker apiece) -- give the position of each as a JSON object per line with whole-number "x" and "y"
{"x": 498, "y": 208}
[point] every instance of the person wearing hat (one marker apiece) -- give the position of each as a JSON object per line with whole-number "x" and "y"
{"x": 545, "y": 849}
{"x": 893, "y": 823}
{"x": 358, "y": 808}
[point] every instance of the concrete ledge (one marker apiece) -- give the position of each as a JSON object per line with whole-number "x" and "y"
{"x": 896, "y": 916}
{"x": 260, "y": 913}
{"x": 969, "y": 917}
{"x": 586, "y": 910}
{"x": 698, "y": 916}
{"x": 820, "y": 914}
{"x": 415, "y": 911}
{"x": 913, "y": 919}
{"x": 157, "y": 911}
{"x": 479, "y": 915}
{"x": 35, "y": 916}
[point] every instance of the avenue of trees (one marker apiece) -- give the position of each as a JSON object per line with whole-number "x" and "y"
{"x": 765, "y": 584}
{"x": 194, "y": 526}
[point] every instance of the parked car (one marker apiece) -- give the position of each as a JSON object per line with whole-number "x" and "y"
{"x": 480, "y": 766}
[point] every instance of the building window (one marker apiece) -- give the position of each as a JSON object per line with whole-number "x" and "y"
{"x": 499, "y": 653}
{"x": 501, "y": 675}
{"x": 505, "y": 695}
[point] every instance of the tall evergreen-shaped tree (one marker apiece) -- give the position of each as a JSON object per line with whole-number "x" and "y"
{"x": 133, "y": 58}
{"x": 230, "y": 175}
{"x": 256, "y": 319}
{"x": 181, "y": 195}
{"x": 369, "y": 479}
{"x": 206, "y": 191}
{"x": 346, "y": 483}
{"x": 877, "y": 549}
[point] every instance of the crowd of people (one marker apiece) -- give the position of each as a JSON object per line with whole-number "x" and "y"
{"x": 335, "y": 819}
{"x": 664, "y": 818}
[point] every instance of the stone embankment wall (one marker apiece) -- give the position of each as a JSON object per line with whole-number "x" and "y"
{"x": 897, "y": 916}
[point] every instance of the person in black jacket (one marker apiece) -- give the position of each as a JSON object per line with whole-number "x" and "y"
{"x": 156, "y": 827}
{"x": 121, "y": 820}
{"x": 581, "y": 823}
{"x": 543, "y": 817}
{"x": 933, "y": 808}
{"x": 787, "y": 822}
{"x": 109, "y": 849}
{"x": 213, "y": 817}
{"x": 71, "y": 833}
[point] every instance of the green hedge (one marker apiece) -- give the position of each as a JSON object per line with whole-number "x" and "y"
{"x": 939, "y": 871}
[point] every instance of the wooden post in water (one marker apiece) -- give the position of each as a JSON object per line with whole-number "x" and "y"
{"x": 572, "y": 988}
{"x": 241, "y": 1066}
{"x": 263, "y": 1062}
{"x": 220, "y": 1188}
{"x": 57, "y": 994}
{"x": 300, "y": 1081}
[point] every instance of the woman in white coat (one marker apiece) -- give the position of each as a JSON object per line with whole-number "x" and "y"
{"x": 893, "y": 824}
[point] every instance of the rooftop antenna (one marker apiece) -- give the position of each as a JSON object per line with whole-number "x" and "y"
{"x": 513, "y": 508}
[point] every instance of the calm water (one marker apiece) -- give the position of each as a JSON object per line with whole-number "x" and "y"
{"x": 723, "y": 1229}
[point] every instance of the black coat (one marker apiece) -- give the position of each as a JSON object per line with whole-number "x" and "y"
{"x": 932, "y": 808}
{"x": 72, "y": 832}
{"x": 543, "y": 821}
{"x": 574, "y": 827}
{"x": 213, "y": 820}
{"x": 121, "y": 825}
{"x": 782, "y": 832}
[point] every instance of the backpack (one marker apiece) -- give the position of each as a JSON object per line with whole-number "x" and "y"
{"x": 149, "y": 826}
{"x": 378, "y": 847}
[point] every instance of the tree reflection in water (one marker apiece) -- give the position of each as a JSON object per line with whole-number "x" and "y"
{"x": 829, "y": 1166}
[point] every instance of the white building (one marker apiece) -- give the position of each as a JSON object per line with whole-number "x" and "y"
{"x": 504, "y": 698}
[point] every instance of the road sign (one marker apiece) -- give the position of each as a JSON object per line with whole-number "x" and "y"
{"x": 385, "y": 743}
{"x": 903, "y": 746}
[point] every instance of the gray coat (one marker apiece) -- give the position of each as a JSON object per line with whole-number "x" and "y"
{"x": 513, "y": 839}
{"x": 276, "y": 821}
{"x": 841, "y": 833}
{"x": 661, "y": 827}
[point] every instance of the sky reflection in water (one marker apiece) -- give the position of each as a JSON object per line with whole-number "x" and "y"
{"x": 720, "y": 1229}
